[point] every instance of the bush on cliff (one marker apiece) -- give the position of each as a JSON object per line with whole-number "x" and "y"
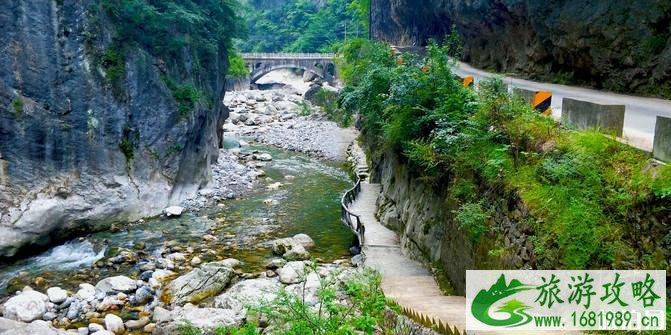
{"x": 584, "y": 190}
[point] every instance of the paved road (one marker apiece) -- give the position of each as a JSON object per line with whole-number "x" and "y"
{"x": 640, "y": 114}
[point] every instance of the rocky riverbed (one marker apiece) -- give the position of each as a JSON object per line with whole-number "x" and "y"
{"x": 214, "y": 294}
{"x": 136, "y": 279}
{"x": 283, "y": 119}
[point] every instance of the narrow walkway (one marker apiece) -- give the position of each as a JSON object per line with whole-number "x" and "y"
{"x": 406, "y": 281}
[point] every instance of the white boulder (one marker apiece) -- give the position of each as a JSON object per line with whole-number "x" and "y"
{"x": 116, "y": 284}
{"x": 173, "y": 211}
{"x": 114, "y": 324}
{"x": 27, "y": 306}
{"x": 57, "y": 295}
{"x": 87, "y": 292}
{"x": 292, "y": 272}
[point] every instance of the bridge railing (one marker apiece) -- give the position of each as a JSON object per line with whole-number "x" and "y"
{"x": 348, "y": 217}
{"x": 257, "y": 55}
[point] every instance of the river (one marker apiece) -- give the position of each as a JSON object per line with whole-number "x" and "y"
{"x": 306, "y": 202}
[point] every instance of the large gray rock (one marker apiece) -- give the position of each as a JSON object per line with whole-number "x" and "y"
{"x": 173, "y": 211}
{"x": 27, "y": 306}
{"x": 303, "y": 239}
{"x": 311, "y": 93}
{"x": 57, "y": 295}
{"x": 292, "y": 272}
{"x": 252, "y": 292}
{"x": 114, "y": 324}
{"x": 116, "y": 284}
{"x": 62, "y": 167}
{"x": 86, "y": 292}
{"x": 207, "y": 319}
{"x": 293, "y": 248}
{"x": 38, "y": 327}
{"x": 286, "y": 106}
{"x": 308, "y": 290}
{"x": 201, "y": 283}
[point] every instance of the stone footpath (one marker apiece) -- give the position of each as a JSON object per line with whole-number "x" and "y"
{"x": 404, "y": 280}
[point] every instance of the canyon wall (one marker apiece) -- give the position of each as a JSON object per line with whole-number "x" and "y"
{"x": 618, "y": 45}
{"x": 75, "y": 157}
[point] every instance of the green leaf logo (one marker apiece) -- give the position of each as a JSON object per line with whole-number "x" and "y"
{"x": 515, "y": 309}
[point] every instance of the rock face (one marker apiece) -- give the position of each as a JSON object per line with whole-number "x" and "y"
{"x": 73, "y": 156}
{"x": 200, "y": 283}
{"x": 616, "y": 45}
{"x": 428, "y": 229}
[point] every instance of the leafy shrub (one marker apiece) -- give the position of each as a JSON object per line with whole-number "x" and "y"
{"x": 473, "y": 219}
{"x": 328, "y": 100}
{"x": 237, "y": 66}
{"x": 187, "y": 328}
{"x": 113, "y": 61}
{"x": 361, "y": 312}
{"x": 18, "y": 105}
{"x": 304, "y": 108}
{"x": 185, "y": 95}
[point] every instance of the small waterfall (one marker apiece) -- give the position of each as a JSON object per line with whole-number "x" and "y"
{"x": 67, "y": 256}
{"x": 70, "y": 255}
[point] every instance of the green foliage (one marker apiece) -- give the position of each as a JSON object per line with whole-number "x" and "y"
{"x": 248, "y": 329}
{"x": 473, "y": 219}
{"x": 127, "y": 149}
{"x": 289, "y": 314}
{"x": 583, "y": 189}
{"x": 187, "y": 328}
{"x": 304, "y": 108}
{"x": 167, "y": 28}
{"x": 18, "y": 105}
{"x": 302, "y": 25}
{"x": 237, "y": 67}
{"x": 185, "y": 95}
{"x": 113, "y": 61}
{"x": 362, "y": 312}
{"x": 328, "y": 100}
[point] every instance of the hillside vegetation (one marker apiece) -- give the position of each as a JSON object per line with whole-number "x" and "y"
{"x": 302, "y": 25}
{"x": 594, "y": 202}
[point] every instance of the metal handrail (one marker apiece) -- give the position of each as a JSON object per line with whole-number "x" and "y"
{"x": 347, "y": 216}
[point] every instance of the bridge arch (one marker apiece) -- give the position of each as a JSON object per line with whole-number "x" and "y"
{"x": 261, "y": 64}
{"x": 258, "y": 73}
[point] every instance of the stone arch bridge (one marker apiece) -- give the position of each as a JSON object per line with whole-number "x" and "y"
{"x": 260, "y": 64}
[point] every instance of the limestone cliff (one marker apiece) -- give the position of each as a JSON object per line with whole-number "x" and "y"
{"x": 74, "y": 156}
{"x": 615, "y": 45}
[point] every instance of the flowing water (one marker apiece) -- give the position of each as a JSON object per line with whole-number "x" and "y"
{"x": 306, "y": 203}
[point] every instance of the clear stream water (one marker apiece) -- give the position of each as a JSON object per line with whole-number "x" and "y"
{"x": 308, "y": 203}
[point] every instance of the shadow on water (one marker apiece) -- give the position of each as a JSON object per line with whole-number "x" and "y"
{"x": 307, "y": 202}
